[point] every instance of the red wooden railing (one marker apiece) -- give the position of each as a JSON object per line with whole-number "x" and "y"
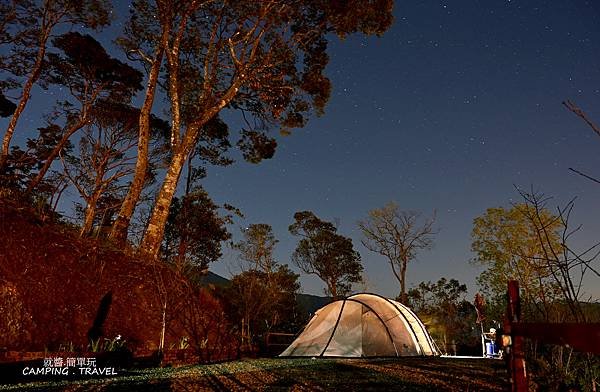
{"x": 579, "y": 336}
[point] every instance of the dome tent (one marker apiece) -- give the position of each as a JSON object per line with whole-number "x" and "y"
{"x": 363, "y": 325}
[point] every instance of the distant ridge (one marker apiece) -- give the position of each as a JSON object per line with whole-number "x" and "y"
{"x": 311, "y": 303}
{"x": 212, "y": 278}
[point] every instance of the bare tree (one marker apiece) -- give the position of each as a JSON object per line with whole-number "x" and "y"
{"x": 397, "y": 235}
{"x": 564, "y": 265}
{"x": 581, "y": 114}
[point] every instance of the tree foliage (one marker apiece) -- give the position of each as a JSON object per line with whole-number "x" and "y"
{"x": 263, "y": 296}
{"x": 262, "y": 302}
{"x": 94, "y": 80}
{"x": 25, "y": 28}
{"x": 256, "y": 247}
{"x": 92, "y": 76}
{"x": 323, "y": 252}
{"x": 195, "y": 231}
{"x": 450, "y": 319}
{"x": 507, "y": 243}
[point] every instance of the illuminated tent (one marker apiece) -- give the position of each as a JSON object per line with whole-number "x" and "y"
{"x": 363, "y": 325}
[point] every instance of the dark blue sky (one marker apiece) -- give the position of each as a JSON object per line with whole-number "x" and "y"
{"x": 450, "y": 108}
{"x": 454, "y": 105}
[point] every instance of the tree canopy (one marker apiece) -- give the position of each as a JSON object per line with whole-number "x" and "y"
{"x": 442, "y": 307}
{"x": 25, "y": 28}
{"x": 263, "y": 62}
{"x": 257, "y": 246}
{"x": 92, "y": 77}
{"x": 262, "y": 296}
{"x": 507, "y": 242}
{"x": 195, "y": 231}
{"x": 323, "y": 252}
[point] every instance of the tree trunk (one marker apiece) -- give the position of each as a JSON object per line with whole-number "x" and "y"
{"x": 90, "y": 213}
{"x": 333, "y": 290}
{"x": 181, "y": 253}
{"x": 156, "y": 227}
{"x": 403, "y": 296}
{"x": 57, "y": 149}
{"x": 33, "y": 77}
{"x": 398, "y": 277}
{"x": 121, "y": 224}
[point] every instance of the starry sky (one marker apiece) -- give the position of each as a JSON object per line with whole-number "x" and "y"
{"x": 455, "y": 105}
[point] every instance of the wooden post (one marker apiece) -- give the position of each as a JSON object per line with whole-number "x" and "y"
{"x": 516, "y": 354}
{"x": 161, "y": 345}
{"x": 243, "y": 331}
{"x": 584, "y": 337}
{"x": 483, "y": 351}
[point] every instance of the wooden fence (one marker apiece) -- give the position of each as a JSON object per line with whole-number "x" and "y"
{"x": 276, "y": 342}
{"x": 579, "y": 336}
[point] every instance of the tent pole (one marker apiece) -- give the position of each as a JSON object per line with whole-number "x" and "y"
{"x": 334, "y": 327}
{"x": 380, "y": 319}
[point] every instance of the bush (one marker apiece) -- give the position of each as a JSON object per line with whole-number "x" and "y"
{"x": 205, "y": 326}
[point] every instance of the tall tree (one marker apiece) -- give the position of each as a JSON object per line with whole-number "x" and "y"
{"x": 195, "y": 231}
{"x": 256, "y": 247}
{"x": 105, "y": 156}
{"x": 323, "y": 252}
{"x": 265, "y": 59}
{"x": 25, "y": 28}
{"x": 507, "y": 243}
{"x": 398, "y": 235}
{"x": 145, "y": 43}
{"x": 92, "y": 76}
{"x": 262, "y": 301}
{"x": 263, "y": 295}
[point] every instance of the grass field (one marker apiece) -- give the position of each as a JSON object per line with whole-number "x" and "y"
{"x": 403, "y": 374}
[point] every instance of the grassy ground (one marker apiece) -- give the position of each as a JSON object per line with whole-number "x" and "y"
{"x": 404, "y": 374}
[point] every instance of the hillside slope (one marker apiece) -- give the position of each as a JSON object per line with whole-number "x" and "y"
{"x": 52, "y": 284}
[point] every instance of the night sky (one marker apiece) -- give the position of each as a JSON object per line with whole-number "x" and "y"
{"x": 452, "y": 107}
{"x": 455, "y": 105}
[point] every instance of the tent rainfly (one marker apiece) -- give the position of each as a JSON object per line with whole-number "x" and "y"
{"x": 363, "y": 325}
